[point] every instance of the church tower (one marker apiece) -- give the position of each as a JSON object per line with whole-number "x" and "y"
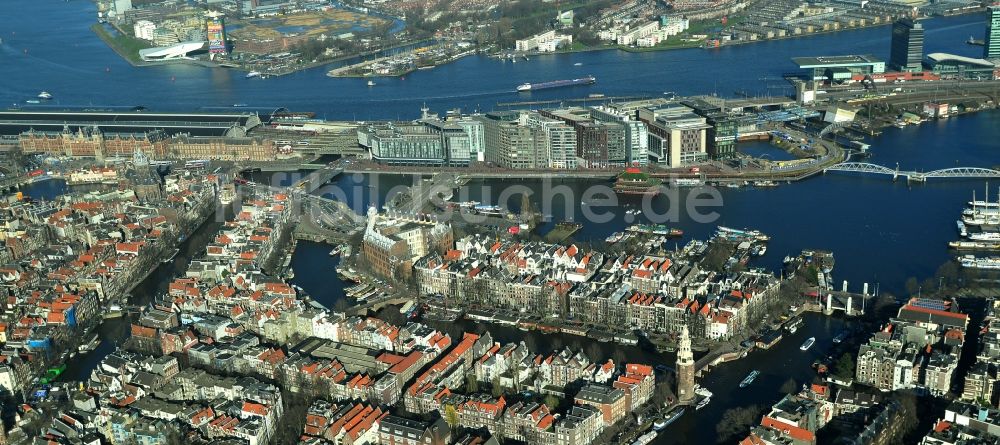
{"x": 685, "y": 369}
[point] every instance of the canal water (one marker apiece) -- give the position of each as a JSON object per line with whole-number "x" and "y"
{"x": 47, "y": 45}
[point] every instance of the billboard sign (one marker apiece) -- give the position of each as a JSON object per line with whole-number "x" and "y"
{"x": 216, "y": 33}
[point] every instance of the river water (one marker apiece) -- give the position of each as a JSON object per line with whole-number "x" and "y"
{"x": 47, "y": 45}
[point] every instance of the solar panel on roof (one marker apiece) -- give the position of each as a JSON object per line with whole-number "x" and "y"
{"x": 930, "y": 304}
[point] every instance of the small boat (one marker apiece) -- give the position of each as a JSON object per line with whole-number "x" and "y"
{"x": 336, "y": 250}
{"x": 45, "y": 95}
{"x": 173, "y": 255}
{"x": 371, "y": 83}
{"x": 705, "y": 396}
{"x": 90, "y": 345}
{"x": 253, "y": 74}
{"x": 749, "y": 379}
{"x": 577, "y": 64}
{"x": 840, "y": 337}
{"x": 33, "y": 101}
{"x": 239, "y": 105}
{"x": 645, "y": 438}
{"x": 702, "y": 403}
{"x": 808, "y": 344}
{"x": 659, "y": 425}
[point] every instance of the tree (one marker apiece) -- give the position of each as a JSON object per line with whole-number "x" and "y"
{"x": 471, "y": 383}
{"x": 552, "y": 402}
{"x": 341, "y": 305}
{"x": 736, "y": 422}
{"x": 908, "y": 415}
{"x": 948, "y": 272}
{"x": 844, "y": 368}
{"x": 662, "y": 393}
{"x": 497, "y": 388}
{"x": 451, "y": 416}
{"x": 912, "y": 285}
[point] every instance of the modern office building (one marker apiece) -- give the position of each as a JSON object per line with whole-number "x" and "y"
{"x": 509, "y": 143}
{"x": 456, "y": 142}
{"x": 598, "y": 144}
{"x": 474, "y": 130}
{"x": 950, "y": 66}
{"x": 907, "y": 50}
{"x": 991, "y": 48}
{"x": 722, "y": 135}
{"x": 839, "y": 68}
{"x": 677, "y": 136}
{"x": 636, "y": 135}
{"x": 415, "y": 143}
{"x": 555, "y": 139}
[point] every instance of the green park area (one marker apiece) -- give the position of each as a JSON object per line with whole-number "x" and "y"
{"x": 125, "y": 45}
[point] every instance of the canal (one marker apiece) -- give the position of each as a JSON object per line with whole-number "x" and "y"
{"x": 114, "y": 331}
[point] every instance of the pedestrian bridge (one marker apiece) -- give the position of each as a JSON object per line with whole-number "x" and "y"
{"x": 956, "y": 172}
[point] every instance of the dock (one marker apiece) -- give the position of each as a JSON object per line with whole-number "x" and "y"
{"x": 529, "y": 103}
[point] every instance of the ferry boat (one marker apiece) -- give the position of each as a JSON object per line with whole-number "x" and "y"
{"x": 671, "y": 417}
{"x": 45, "y": 95}
{"x": 556, "y": 84}
{"x": 645, "y": 439}
{"x": 172, "y": 256}
{"x": 808, "y": 344}
{"x": 749, "y": 379}
{"x": 972, "y": 262}
{"x": 985, "y": 236}
{"x": 765, "y": 184}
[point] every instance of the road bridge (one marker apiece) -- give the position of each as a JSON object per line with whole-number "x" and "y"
{"x": 317, "y": 178}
